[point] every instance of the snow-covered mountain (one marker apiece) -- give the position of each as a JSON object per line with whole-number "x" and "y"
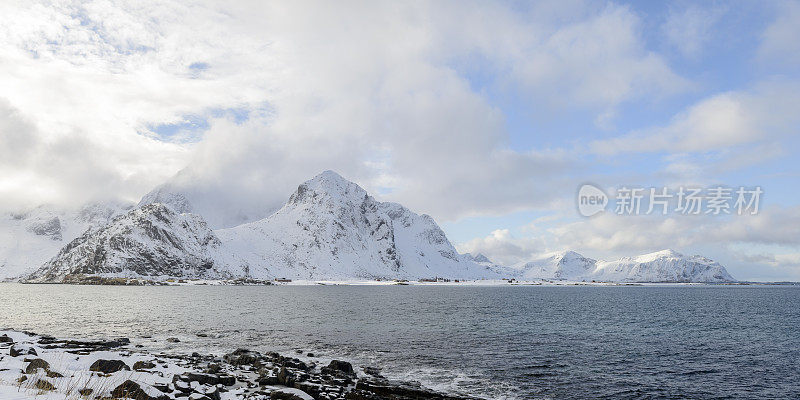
{"x": 332, "y": 229}
{"x": 30, "y": 238}
{"x": 151, "y": 241}
{"x": 662, "y": 266}
{"x": 567, "y": 265}
{"x": 329, "y": 229}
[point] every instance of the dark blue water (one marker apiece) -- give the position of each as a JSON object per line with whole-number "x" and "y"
{"x": 496, "y": 342}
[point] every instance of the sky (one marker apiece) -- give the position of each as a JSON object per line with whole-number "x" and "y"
{"x": 486, "y": 115}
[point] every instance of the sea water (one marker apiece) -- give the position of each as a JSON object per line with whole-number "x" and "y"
{"x": 498, "y": 342}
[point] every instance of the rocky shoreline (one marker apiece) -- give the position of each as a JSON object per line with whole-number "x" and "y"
{"x": 43, "y": 367}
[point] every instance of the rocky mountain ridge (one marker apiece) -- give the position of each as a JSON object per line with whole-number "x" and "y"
{"x": 152, "y": 241}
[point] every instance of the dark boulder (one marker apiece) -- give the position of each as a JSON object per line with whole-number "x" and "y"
{"x": 6, "y": 339}
{"x": 204, "y": 379}
{"x": 374, "y": 371}
{"x": 131, "y": 390}
{"x": 183, "y": 387}
{"x": 384, "y": 389}
{"x": 227, "y": 380}
{"x": 283, "y": 394}
{"x": 286, "y": 377}
{"x": 140, "y": 365}
{"x": 109, "y": 366}
{"x": 36, "y": 364}
{"x": 213, "y": 368}
{"x": 294, "y": 363}
{"x": 213, "y": 393}
{"x": 337, "y": 368}
{"x": 242, "y": 357}
{"x": 268, "y": 380}
{"x": 163, "y": 387}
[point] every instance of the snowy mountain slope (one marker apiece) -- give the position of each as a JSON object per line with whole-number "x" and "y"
{"x": 29, "y": 238}
{"x": 150, "y": 241}
{"x": 662, "y": 266}
{"x": 332, "y": 229}
{"x": 488, "y": 264}
{"x": 567, "y": 265}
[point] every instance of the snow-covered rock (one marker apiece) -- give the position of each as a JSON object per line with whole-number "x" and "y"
{"x": 30, "y": 238}
{"x": 332, "y": 229}
{"x": 661, "y": 266}
{"x": 150, "y": 241}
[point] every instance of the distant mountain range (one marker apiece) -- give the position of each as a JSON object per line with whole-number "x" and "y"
{"x": 329, "y": 229}
{"x": 661, "y": 266}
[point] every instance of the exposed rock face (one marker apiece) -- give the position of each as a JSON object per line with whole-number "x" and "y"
{"x": 50, "y": 227}
{"x": 150, "y": 241}
{"x": 331, "y": 228}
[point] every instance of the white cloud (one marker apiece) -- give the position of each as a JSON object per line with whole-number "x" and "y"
{"x": 722, "y": 121}
{"x": 39, "y": 168}
{"x": 690, "y": 29}
{"x": 631, "y": 234}
{"x": 373, "y": 90}
{"x": 779, "y": 45}
{"x": 503, "y": 248}
{"x": 757, "y": 247}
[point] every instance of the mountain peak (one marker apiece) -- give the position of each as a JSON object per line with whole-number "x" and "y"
{"x": 479, "y": 258}
{"x": 570, "y": 255}
{"x": 169, "y": 196}
{"x": 331, "y": 185}
{"x": 329, "y": 179}
{"x": 666, "y": 253}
